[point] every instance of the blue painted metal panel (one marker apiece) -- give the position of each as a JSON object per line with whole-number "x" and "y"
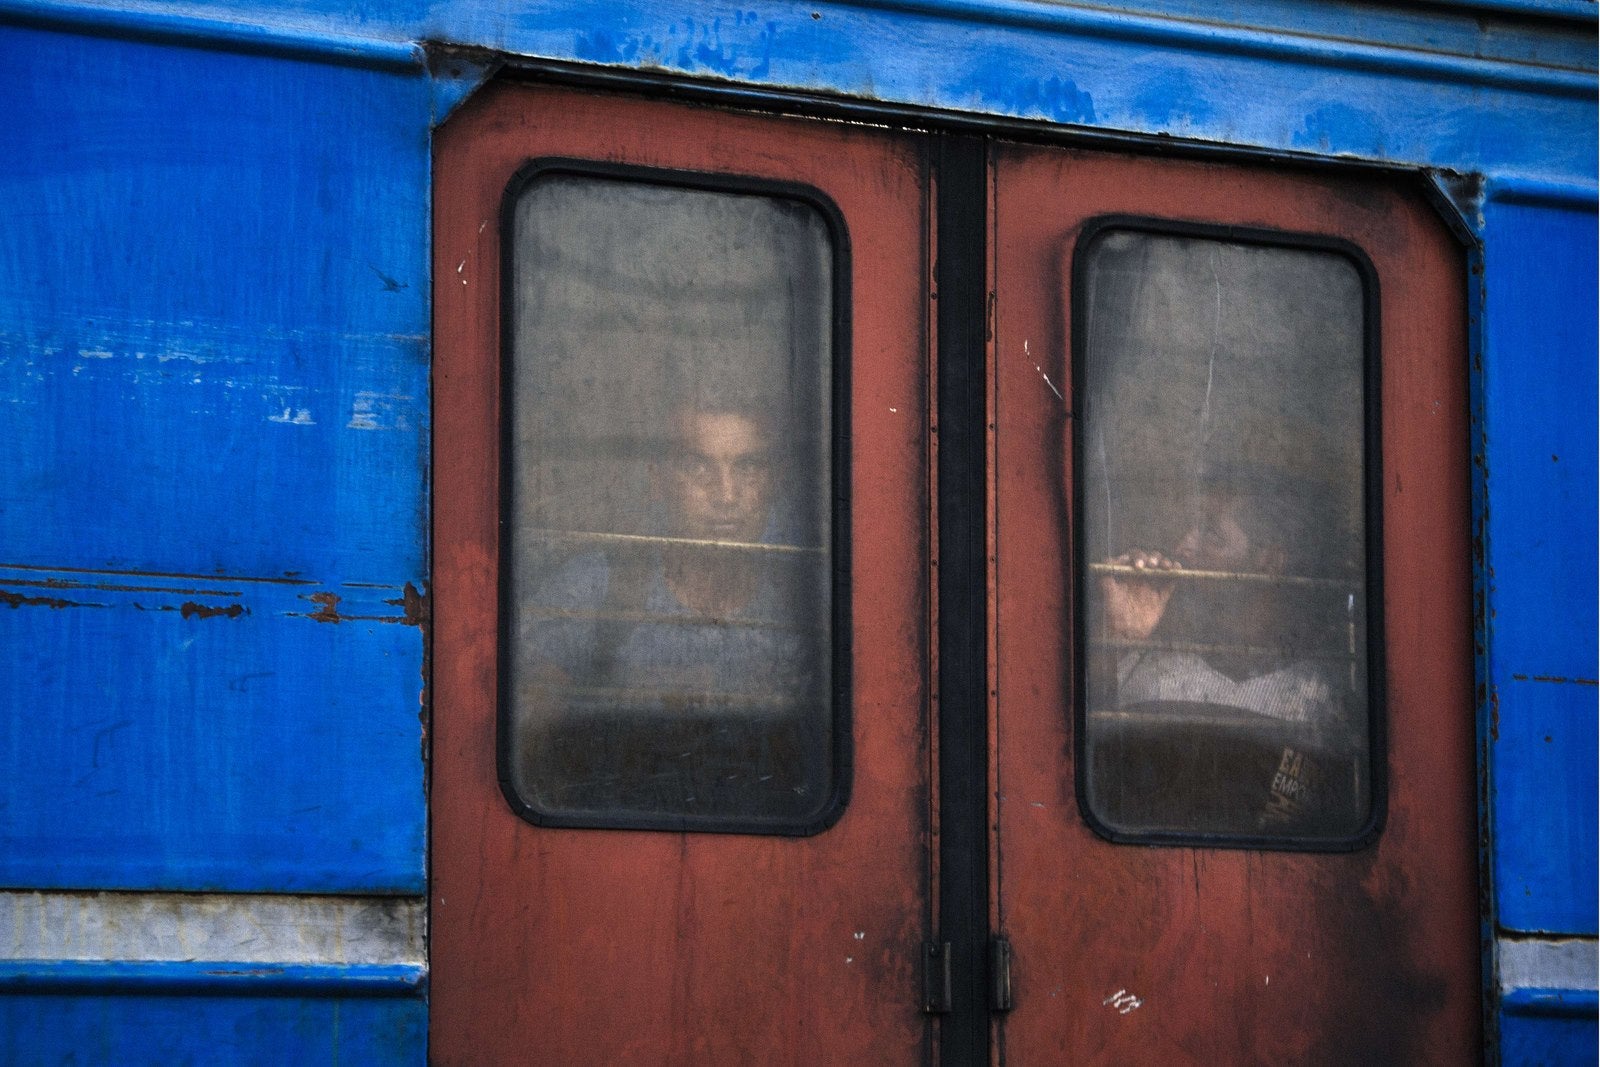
{"x": 213, "y": 277}
{"x": 130, "y": 1031}
{"x": 1464, "y": 90}
{"x": 1093, "y": 68}
{"x": 213, "y": 362}
{"x": 1544, "y": 777}
{"x": 1487, "y": 29}
{"x": 283, "y": 29}
{"x": 1552, "y": 1029}
{"x": 178, "y": 737}
{"x": 1540, "y": 384}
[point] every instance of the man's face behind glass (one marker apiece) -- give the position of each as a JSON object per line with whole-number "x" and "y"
{"x": 719, "y": 484}
{"x": 1228, "y": 535}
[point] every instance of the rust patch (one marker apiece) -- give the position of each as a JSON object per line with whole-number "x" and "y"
{"x": 290, "y": 578}
{"x": 17, "y": 600}
{"x": 108, "y": 587}
{"x": 191, "y": 610}
{"x": 413, "y": 604}
{"x": 327, "y": 607}
{"x": 420, "y": 606}
{"x": 418, "y": 611}
{"x": 1494, "y": 713}
{"x": 1554, "y": 678}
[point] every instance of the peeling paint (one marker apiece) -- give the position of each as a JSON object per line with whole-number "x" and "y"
{"x": 412, "y": 601}
{"x": 1123, "y": 1001}
{"x": 235, "y": 933}
{"x": 17, "y": 600}
{"x": 110, "y": 587}
{"x": 372, "y": 410}
{"x": 290, "y": 577}
{"x": 418, "y": 611}
{"x": 327, "y": 607}
{"x": 192, "y": 610}
{"x": 1040, "y": 371}
{"x": 1559, "y": 680}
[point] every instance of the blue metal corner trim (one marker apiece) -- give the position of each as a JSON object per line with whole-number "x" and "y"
{"x": 211, "y": 976}
{"x": 1536, "y": 193}
{"x": 124, "y": 24}
{"x": 455, "y": 77}
{"x": 1567, "y": 1003}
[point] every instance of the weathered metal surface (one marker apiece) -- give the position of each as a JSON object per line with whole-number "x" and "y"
{"x": 242, "y": 29}
{"x": 573, "y": 946}
{"x": 1540, "y": 1039}
{"x": 1548, "y": 1000}
{"x": 226, "y": 929}
{"x": 1169, "y": 954}
{"x": 155, "y": 1030}
{"x": 1542, "y": 964}
{"x": 214, "y": 319}
{"x": 1384, "y": 83}
{"x": 1540, "y": 545}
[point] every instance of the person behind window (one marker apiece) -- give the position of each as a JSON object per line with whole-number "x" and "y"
{"x": 1234, "y": 652}
{"x": 681, "y": 671}
{"x": 1246, "y": 628}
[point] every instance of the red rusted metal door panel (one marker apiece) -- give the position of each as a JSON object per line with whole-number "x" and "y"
{"x": 1138, "y": 953}
{"x": 560, "y": 945}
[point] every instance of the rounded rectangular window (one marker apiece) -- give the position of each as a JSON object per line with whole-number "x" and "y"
{"x": 671, "y": 549}
{"x": 1226, "y": 448}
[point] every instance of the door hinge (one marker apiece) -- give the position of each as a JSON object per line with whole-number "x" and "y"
{"x": 936, "y": 977}
{"x": 999, "y": 974}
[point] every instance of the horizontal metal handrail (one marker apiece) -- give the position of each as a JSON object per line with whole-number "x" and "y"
{"x": 643, "y": 540}
{"x": 1193, "y": 574}
{"x": 731, "y": 622}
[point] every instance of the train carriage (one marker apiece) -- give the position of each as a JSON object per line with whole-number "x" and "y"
{"x": 1012, "y": 531}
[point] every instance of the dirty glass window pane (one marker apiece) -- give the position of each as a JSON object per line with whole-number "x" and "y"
{"x": 668, "y": 588}
{"x": 1222, "y": 465}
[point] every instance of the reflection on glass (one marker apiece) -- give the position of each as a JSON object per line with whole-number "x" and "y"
{"x": 1223, "y": 454}
{"x": 669, "y": 506}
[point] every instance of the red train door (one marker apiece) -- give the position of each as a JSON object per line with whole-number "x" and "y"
{"x": 680, "y": 790}
{"x": 903, "y": 597}
{"x": 1229, "y": 420}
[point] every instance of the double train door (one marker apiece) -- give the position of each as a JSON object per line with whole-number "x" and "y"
{"x": 904, "y": 598}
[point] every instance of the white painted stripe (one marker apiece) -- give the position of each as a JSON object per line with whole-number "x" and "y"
{"x": 234, "y": 927}
{"x": 1570, "y": 963}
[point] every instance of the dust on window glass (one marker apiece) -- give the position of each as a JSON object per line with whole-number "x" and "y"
{"x": 669, "y": 595}
{"x": 1222, "y": 458}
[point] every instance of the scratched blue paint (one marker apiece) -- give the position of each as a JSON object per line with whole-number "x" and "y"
{"x": 1469, "y": 28}
{"x": 1176, "y": 101}
{"x": 1290, "y": 77}
{"x": 214, "y": 306}
{"x": 1540, "y": 430}
{"x": 1077, "y": 67}
{"x": 214, "y": 323}
{"x": 263, "y": 751}
{"x": 170, "y": 1031}
{"x": 1341, "y": 121}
